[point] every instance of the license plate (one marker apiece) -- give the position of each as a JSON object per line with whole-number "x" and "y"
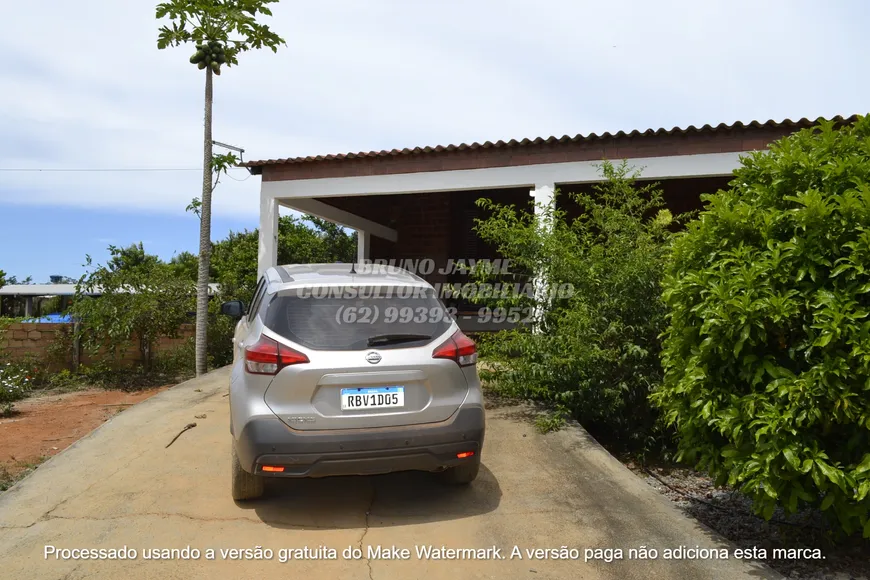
{"x": 372, "y": 398}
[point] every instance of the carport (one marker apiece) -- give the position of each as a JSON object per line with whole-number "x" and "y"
{"x": 419, "y": 204}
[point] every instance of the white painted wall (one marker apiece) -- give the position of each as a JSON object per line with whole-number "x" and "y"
{"x": 267, "y": 251}
{"x": 543, "y": 194}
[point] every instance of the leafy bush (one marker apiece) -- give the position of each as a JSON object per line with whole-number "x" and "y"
{"x": 14, "y": 386}
{"x": 59, "y": 354}
{"x": 221, "y": 330}
{"x": 64, "y": 380}
{"x": 594, "y": 351}
{"x": 164, "y": 370}
{"x": 179, "y": 361}
{"x": 552, "y": 421}
{"x": 139, "y": 296}
{"x": 767, "y": 352}
{"x": 16, "y": 377}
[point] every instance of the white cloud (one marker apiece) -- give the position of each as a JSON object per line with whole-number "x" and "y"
{"x": 87, "y": 87}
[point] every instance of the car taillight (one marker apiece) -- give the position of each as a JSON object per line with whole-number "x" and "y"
{"x": 459, "y": 348}
{"x": 267, "y": 357}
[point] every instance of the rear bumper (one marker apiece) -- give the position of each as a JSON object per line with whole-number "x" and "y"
{"x": 429, "y": 447}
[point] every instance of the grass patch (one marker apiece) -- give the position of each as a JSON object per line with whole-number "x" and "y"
{"x": 551, "y": 421}
{"x": 547, "y": 421}
{"x": 9, "y": 477}
{"x": 104, "y": 377}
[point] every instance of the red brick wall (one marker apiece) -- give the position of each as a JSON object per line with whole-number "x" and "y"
{"x": 431, "y": 226}
{"x": 680, "y": 195}
{"x": 422, "y": 222}
{"x": 22, "y": 340}
{"x": 439, "y": 226}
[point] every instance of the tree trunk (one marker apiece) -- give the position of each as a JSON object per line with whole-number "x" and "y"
{"x": 77, "y": 344}
{"x": 204, "y": 235}
{"x": 145, "y": 352}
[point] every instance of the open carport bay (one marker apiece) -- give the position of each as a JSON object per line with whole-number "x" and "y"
{"x": 121, "y": 486}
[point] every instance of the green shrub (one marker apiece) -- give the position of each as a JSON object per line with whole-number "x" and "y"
{"x": 596, "y": 354}
{"x": 15, "y": 384}
{"x": 31, "y": 365}
{"x": 179, "y": 361}
{"x": 97, "y": 372}
{"x": 17, "y": 377}
{"x": 767, "y": 352}
{"x": 59, "y": 354}
{"x": 551, "y": 421}
{"x": 64, "y": 379}
{"x": 221, "y": 330}
{"x": 138, "y": 296}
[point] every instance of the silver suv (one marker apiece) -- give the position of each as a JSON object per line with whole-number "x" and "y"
{"x": 343, "y": 369}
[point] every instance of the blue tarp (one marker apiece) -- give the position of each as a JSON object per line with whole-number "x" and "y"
{"x": 52, "y": 318}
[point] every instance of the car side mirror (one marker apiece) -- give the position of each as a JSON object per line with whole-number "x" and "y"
{"x": 233, "y": 308}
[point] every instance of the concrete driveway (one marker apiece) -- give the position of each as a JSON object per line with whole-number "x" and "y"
{"x": 121, "y": 487}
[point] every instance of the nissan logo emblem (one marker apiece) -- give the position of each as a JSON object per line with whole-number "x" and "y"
{"x": 373, "y": 358}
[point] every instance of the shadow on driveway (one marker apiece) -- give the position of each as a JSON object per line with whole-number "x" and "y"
{"x": 377, "y": 501}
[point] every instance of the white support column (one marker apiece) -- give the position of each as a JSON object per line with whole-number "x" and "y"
{"x": 267, "y": 255}
{"x": 363, "y": 246}
{"x": 543, "y": 195}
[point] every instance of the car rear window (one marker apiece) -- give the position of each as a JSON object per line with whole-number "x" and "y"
{"x": 347, "y": 317}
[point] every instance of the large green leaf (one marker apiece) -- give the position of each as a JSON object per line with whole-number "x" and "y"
{"x": 793, "y": 459}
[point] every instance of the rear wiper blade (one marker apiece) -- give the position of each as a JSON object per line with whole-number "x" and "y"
{"x": 395, "y": 338}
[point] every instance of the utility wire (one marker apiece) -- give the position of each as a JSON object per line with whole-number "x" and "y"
{"x": 92, "y": 170}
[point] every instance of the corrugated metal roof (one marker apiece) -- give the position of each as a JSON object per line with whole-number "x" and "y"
{"x": 38, "y": 290}
{"x": 771, "y": 124}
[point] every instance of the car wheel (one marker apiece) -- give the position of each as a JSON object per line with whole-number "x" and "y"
{"x": 245, "y": 485}
{"x": 461, "y": 474}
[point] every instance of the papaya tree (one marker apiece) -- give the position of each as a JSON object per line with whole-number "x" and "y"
{"x": 220, "y": 31}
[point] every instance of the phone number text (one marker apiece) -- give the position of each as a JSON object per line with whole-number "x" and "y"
{"x": 421, "y": 315}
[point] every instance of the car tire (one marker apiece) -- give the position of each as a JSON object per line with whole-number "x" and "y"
{"x": 245, "y": 485}
{"x": 461, "y": 474}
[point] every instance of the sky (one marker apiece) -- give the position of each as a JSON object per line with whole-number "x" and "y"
{"x": 83, "y": 87}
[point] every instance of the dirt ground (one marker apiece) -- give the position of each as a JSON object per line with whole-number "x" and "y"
{"x": 730, "y": 514}
{"x": 49, "y": 423}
